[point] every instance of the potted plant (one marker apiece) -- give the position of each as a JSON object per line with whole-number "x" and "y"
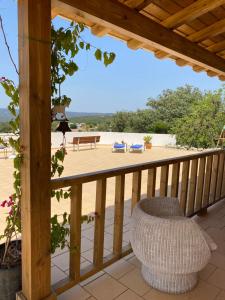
{"x": 147, "y": 140}
{"x": 59, "y": 105}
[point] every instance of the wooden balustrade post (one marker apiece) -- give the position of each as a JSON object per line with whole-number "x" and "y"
{"x": 223, "y": 182}
{"x": 200, "y": 185}
{"x": 212, "y": 193}
{"x": 208, "y": 173}
{"x": 175, "y": 180}
{"x": 192, "y": 190}
{"x": 34, "y": 19}
{"x": 118, "y": 217}
{"x": 151, "y": 183}
{"x": 184, "y": 185}
{"x": 164, "y": 180}
{"x": 75, "y": 231}
{"x": 99, "y": 223}
{"x": 220, "y": 176}
{"x": 136, "y": 188}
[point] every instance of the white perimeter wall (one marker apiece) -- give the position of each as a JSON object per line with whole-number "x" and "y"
{"x": 108, "y": 138}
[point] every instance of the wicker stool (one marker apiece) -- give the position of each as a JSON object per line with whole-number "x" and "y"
{"x": 171, "y": 247}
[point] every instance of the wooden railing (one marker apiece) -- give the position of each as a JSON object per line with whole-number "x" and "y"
{"x": 197, "y": 180}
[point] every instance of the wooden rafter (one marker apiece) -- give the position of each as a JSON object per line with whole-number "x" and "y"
{"x": 127, "y": 21}
{"x": 191, "y": 12}
{"x": 208, "y": 32}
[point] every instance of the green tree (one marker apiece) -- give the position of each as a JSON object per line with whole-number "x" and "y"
{"x": 120, "y": 121}
{"x": 202, "y": 125}
{"x": 171, "y": 105}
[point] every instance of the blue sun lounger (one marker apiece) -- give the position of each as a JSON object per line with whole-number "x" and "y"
{"x": 116, "y": 147}
{"x": 137, "y": 148}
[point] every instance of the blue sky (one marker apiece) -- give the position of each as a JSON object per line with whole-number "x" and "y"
{"x": 125, "y": 85}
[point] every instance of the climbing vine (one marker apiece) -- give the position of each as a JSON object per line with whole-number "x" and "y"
{"x": 65, "y": 45}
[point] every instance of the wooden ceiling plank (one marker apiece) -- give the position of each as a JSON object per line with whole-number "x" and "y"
{"x": 208, "y": 32}
{"x": 217, "y": 47}
{"x": 127, "y": 21}
{"x": 191, "y": 12}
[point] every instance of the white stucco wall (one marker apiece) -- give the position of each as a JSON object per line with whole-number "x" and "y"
{"x": 108, "y": 138}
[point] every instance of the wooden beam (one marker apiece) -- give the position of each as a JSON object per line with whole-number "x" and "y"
{"x": 118, "y": 17}
{"x": 181, "y": 62}
{"x": 198, "y": 69}
{"x": 134, "y": 44}
{"x": 99, "y": 30}
{"x": 208, "y": 32}
{"x": 161, "y": 54}
{"x": 191, "y": 12}
{"x": 35, "y": 131}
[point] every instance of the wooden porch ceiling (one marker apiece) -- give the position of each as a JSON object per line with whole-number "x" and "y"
{"x": 190, "y": 32}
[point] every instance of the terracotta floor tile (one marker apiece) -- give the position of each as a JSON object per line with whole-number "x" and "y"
{"x": 62, "y": 261}
{"x": 218, "y": 260}
{"x": 76, "y": 292}
{"x": 92, "y": 278}
{"x": 204, "y": 291}
{"x": 217, "y": 279}
{"x": 105, "y": 287}
{"x": 129, "y": 295}
{"x": 135, "y": 262}
{"x": 57, "y": 275}
{"x": 134, "y": 281}
{"x": 86, "y": 244}
{"x": 120, "y": 268}
{"x": 157, "y": 295}
{"x": 221, "y": 296}
{"x": 207, "y": 271}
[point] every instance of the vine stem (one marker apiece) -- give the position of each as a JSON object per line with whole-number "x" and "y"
{"x": 7, "y": 45}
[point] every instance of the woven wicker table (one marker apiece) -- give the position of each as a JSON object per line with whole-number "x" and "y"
{"x": 171, "y": 247}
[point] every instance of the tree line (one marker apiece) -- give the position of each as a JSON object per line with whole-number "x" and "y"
{"x": 195, "y": 117}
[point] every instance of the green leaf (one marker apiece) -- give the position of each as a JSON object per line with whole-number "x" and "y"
{"x": 81, "y": 44}
{"x": 98, "y": 54}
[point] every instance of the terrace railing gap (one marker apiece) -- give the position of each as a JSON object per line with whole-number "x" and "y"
{"x": 197, "y": 180}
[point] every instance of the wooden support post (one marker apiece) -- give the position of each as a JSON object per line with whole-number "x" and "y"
{"x": 220, "y": 176}
{"x": 175, "y": 180}
{"x": 208, "y": 173}
{"x": 164, "y": 180}
{"x": 151, "y": 183}
{"x": 212, "y": 194}
{"x": 192, "y": 190}
{"x": 99, "y": 223}
{"x": 35, "y": 129}
{"x": 184, "y": 185}
{"x": 75, "y": 231}
{"x": 118, "y": 217}
{"x": 200, "y": 185}
{"x": 223, "y": 182}
{"x": 136, "y": 188}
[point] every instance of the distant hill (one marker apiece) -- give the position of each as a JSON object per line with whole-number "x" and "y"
{"x": 5, "y": 116}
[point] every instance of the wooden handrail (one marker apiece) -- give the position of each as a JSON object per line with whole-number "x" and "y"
{"x": 62, "y": 182}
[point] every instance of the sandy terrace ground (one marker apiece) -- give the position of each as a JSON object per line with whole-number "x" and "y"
{"x": 87, "y": 160}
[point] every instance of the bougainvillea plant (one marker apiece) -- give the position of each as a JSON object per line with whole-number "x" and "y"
{"x": 65, "y": 45}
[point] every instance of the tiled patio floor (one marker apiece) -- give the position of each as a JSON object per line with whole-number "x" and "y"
{"x": 123, "y": 281}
